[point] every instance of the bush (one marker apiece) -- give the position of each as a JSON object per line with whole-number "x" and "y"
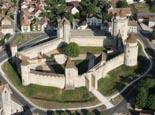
{"x": 153, "y": 34}
{"x": 122, "y": 4}
{"x": 72, "y": 50}
{"x": 145, "y": 97}
{"x": 2, "y": 42}
{"x": 141, "y": 99}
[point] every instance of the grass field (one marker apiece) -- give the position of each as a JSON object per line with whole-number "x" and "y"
{"x": 94, "y": 50}
{"x": 23, "y": 38}
{"x": 47, "y": 93}
{"x": 122, "y": 75}
{"x": 140, "y": 8}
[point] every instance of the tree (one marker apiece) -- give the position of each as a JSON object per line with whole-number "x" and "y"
{"x": 141, "y": 99}
{"x": 151, "y": 102}
{"x": 152, "y": 8}
{"x": 122, "y": 4}
{"x": 136, "y": 0}
{"x": 148, "y": 1}
{"x": 88, "y": 8}
{"x": 54, "y": 10}
{"x": 14, "y": 1}
{"x": 72, "y": 50}
{"x": 153, "y": 34}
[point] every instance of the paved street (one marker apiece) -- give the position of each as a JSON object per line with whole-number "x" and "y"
{"x": 103, "y": 99}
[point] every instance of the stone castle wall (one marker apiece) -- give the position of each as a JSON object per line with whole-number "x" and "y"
{"x": 42, "y": 48}
{"x": 96, "y": 41}
{"x": 47, "y": 79}
{"x": 52, "y": 79}
{"x": 101, "y": 70}
{"x": 58, "y": 80}
{"x": 113, "y": 64}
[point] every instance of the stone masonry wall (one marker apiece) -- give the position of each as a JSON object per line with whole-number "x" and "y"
{"x": 100, "y": 71}
{"x": 110, "y": 65}
{"x": 42, "y": 48}
{"x": 54, "y": 80}
{"x": 58, "y": 80}
{"x": 89, "y": 41}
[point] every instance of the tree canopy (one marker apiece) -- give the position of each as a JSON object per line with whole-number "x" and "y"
{"x": 121, "y": 4}
{"x": 153, "y": 34}
{"x": 56, "y": 9}
{"x": 72, "y": 50}
{"x": 145, "y": 96}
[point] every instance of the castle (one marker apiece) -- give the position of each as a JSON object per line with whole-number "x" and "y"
{"x": 47, "y": 54}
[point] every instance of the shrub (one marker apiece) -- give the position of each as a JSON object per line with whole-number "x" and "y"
{"x": 72, "y": 50}
{"x": 153, "y": 34}
{"x": 122, "y": 4}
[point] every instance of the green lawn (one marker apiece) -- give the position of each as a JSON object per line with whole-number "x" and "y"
{"x": 47, "y": 93}
{"x": 94, "y": 50}
{"x": 140, "y": 8}
{"x": 23, "y": 38}
{"x": 122, "y": 75}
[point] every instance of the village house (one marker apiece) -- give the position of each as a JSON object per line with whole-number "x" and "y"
{"x": 38, "y": 24}
{"x": 94, "y": 21}
{"x": 73, "y": 7}
{"x": 25, "y": 24}
{"x": 6, "y": 25}
{"x": 134, "y": 1}
{"x": 8, "y": 104}
{"x": 151, "y": 22}
{"x": 7, "y": 7}
{"x": 132, "y": 24}
{"x": 30, "y": 17}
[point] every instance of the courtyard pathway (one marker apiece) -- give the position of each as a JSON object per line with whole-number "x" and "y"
{"x": 103, "y": 99}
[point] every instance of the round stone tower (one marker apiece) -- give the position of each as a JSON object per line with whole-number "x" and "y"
{"x": 131, "y": 50}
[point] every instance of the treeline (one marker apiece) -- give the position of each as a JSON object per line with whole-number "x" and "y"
{"x": 146, "y": 94}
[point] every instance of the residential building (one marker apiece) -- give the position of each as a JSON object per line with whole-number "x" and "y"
{"x": 6, "y": 25}
{"x": 8, "y": 104}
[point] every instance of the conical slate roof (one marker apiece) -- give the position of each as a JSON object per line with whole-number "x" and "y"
{"x": 132, "y": 38}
